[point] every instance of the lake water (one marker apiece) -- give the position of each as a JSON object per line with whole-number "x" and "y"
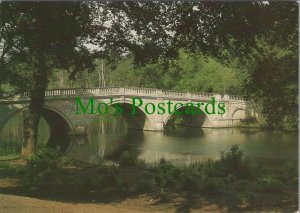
{"x": 108, "y": 138}
{"x": 187, "y": 145}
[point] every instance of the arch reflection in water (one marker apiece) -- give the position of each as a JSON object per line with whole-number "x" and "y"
{"x": 189, "y": 116}
{"x": 109, "y": 136}
{"x": 183, "y": 132}
{"x": 182, "y": 145}
{"x": 59, "y": 130}
{"x": 51, "y": 132}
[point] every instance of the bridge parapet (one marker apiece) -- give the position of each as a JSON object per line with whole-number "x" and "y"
{"x": 129, "y": 91}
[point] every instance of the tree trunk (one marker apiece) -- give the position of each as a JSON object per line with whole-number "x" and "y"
{"x": 37, "y": 96}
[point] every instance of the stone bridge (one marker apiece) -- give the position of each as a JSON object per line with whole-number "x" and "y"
{"x": 60, "y": 108}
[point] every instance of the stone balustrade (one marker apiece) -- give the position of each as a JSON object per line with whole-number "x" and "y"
{"x": 126, "y": 91}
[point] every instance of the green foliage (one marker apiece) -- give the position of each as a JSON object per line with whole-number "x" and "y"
{"x": 10, "y": 148}
{"x": 256, "y": 43}
{"x": 190, "y": 72}
{"x": 145, "y": 185}
{"x": 270, "y": 184}
{"x": 44, "y": 159}
{"x": 42, "y": 167}
{"x": 57, "y": 32}
{"x": 199, "y": 74}
{"x": 11, "y": 135}
{"x": 232, "y": 161}
{"x": 128, "y": 159}
{"x": 213, "y": 185}
{"x": 190, "y": 182}
{"x": 207, "y": 179}
{"x": 273, "y": 85}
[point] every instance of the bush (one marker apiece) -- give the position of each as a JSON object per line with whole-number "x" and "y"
{"x": 128, "y": 159}
{"x": 290, "y": 123}
{"x": 110, "y": 180}
{"x": 270, "y": 184}
{"x": 164, "y": 166}
{"x": 213, "y": 185}
{"x": 107, "y": 169}
{"x": 10, "y": 148}
{"x": 190, "y": 183}
{"x": 42, "y": 167}
{"x": 141, "y": 164}
{"x": 233, "y": 158}
{"x": 231, "y": 162}
{"x": 145, "y": 185}
{"x": 44, "y": 159}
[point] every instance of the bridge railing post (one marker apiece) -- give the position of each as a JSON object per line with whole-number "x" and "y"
{"x": 218, "y": 97}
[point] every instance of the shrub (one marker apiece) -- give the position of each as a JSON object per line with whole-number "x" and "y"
{"x": 213, "y": 185}
{"x": 10, "y": 148}
{"x": 190, "y": 183}
{"x": 270, "y": 184}
{"x": 164, "y": 166}
{"x": 145, "y": 185}
{"x": 231, "y": 162}
{"x": 44, "y": 159}
{"x": 232, "y": 158}
{"x": 110, "y": 180}
{"x": 160, "y": 180}
{"x": 108, "y": 169}
{"x": 128, "y": 159}
{"x": 141, "y": 164}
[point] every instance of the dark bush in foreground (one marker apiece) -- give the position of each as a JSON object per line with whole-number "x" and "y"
{"x": 128, "y": 159}
{"x": 44, "y": 159}
{"x": 232, "y": 176}
{"x": 270, "y": 184}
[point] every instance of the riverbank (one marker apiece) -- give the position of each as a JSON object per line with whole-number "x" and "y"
{"x": 233, "y": 183}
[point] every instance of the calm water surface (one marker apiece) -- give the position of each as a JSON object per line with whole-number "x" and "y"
{"x": 109, "y": 137}
{"x": 186, "y": 145}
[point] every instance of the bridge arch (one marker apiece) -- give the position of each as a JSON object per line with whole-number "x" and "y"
{"x": 196, "y": 120}
{"x": 238, "y": 113}
{"x": 60, "y": 126}
{"x": 62, "y": 115}
{"x": 142, "y": 121}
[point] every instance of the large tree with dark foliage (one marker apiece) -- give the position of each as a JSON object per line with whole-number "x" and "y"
{"x": 37, "y": 37}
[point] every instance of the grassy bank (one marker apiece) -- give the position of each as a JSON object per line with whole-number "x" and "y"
{"x": 233, "y": 181}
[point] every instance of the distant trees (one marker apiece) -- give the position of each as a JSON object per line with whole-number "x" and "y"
{"x": 189, "y": 72}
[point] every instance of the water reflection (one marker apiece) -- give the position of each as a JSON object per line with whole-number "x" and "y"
{"x": 183, "y": 132}
{"x": 108, "y": 138}
{"x": 185, "y": 145}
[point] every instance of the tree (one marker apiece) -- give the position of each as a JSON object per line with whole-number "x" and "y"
{"x": 38, "y": 37}
{"x": 264, "y": 39}
{"x": 42, "y": 36}
{"x": 229, "y": 31}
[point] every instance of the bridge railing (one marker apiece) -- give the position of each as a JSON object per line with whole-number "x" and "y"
{"x": 102, "y": 91}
